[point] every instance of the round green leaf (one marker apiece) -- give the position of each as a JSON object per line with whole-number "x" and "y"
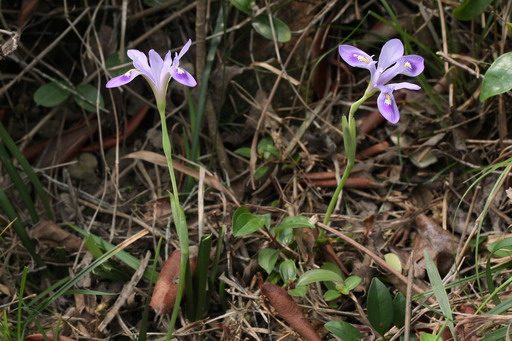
{"x": 343, "y": 330}
{"x": 50, "y": 95}
{"x": 352, "y": 282}
{"x": 330, "y": 295}
{"x": 380, "y": 307}
{"x": 90, "y": 93}
{"x": 498, "y": 79}
{"x": 267, "y": 259}
{"x": 471, "y": 9}
{"x": 393, "y": 261}
{"x": 288, "y": 271}
{"x": 261, "y": 24}
{"x": 243, "y": 5}
{"x": 318, "y": 275}
{"x": 244, "y": 222}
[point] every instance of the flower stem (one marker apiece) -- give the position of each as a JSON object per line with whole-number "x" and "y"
{"x": 350, "y": 141}
{"x": 178, "y": 217}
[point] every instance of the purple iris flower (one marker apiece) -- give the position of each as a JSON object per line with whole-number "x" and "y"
{"x": 158, "y": 72}
{"x": 392, "y": 62}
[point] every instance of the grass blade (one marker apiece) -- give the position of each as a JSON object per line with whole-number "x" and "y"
{"x": 38, "y": 187}
{"x": 439, "y": 291}
{"x": 9, "y": 210}
{"x": 18, "y": 183}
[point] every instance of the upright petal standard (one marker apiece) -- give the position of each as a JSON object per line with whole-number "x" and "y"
{"x": 158, "y": 72}
{"x": 392, "y": 62}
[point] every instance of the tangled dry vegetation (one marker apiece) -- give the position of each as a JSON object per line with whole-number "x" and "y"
{"x": 426, "y": 209}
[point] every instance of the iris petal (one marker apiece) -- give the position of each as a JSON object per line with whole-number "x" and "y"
{"x": 356, "y": 57}
{"x": 140, "y": 61}
{"x": 156, "y": 62}
{"x": 387, "y": 105}
{"x": 123, "y": 79}
{"x": 182, "y": 76}
{"x": 184, "y": 49}
{"x": 413, "y": 65}
{"x": 391, "y": 52}
{"x": 404, "y": 85}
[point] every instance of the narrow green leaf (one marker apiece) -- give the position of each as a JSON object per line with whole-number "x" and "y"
{"x": 18, "y": 183}
{"x": 498, "y": 78}
{"x": 380, "y": 306}
{"x": 399, "y": 310}
{"x": 262, "y": 25}
{"x": 501, "y": 308}
{"x": 343, "y": 330}
{"x": 471, "y": 9}
{"x": 267, "y": 259}
{"x": 502, "y": 248}
{"x": 318, "y": 275}
{"x": 201, "y": 277}
{"x": 10, "y": 212}
{"x": 89, "y": 97}
{"x": 27, "y": 168}
{"x": 439, "y": 291}
{"x": 498, "y": 335}
{"x": 260, "y": 172}
{"x": 244, "y": 151}
{"x": 123, "y": 256}
{"x": 50, "y": 95}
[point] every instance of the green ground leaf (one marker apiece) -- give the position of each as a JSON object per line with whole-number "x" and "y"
{"x": 343, "y": 330}
{"x": 318, "y": 275}
{"x": 502, "y": 248}
{"x": 288, "y": 271}
{"x": 261, "y": 24}
{"x": 244, "y": 222}
{"x": 380, "y": 306}
{"x": 90, "y": 93}
{"x": 352, "y": 282}
{"x": 243, "y": 5}
{"x": 299, "y": 291}
{"x": 50, "y": 95}
{"x": 429, "y": 337}
{"x": 293, "y": 222}
{"x": 399, "y": 310}
{"x": 498, "y": 79}
{"x": 330, "y": 295}
{"x": 439, "y": 290}
{"x": 471, "y": 9}
{"x": 267, "y": 259}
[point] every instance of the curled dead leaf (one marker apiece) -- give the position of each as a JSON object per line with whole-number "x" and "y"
{"x": 440, "y": 244}
{"x": 51, "y": 235}
{"x": 166, "y": 287}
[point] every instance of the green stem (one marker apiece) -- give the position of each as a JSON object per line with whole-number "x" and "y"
{"x": 350, "y": 139}
{"x": 178, "y": 217}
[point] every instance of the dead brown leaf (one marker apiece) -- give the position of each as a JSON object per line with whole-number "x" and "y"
{"x": 51, "y": 235}
{"x": 440, "y": 245}
{"x": 159, "y": 159}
